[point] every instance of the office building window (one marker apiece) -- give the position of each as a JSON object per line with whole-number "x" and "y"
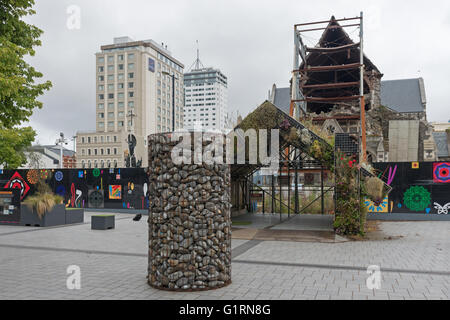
{"x": 110, "y": 77}
{"x": 130, "y": 84}
{"x": 131, "y": 94}
{"x": 120, "y": 57}
{"x": 130, "y": 66}
{"x": 101, "y": 69}
{"x": 130, "y": 56}
{"x": 101, "y": 96}
{"x": 101, "y": 106}
{"x": 101, "y": 59}
{"x": 120, "y": 86}
{"x": 131, "y": 104}
{"x": 110, "y": 95}
{"x": 131, "y": 75}
{"x": 101, "y": 78}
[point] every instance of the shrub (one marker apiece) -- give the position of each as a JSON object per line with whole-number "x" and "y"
{"x": 350, "y": 210}
{"x": 44, "y": 200}
{"x": 375, "y": 189}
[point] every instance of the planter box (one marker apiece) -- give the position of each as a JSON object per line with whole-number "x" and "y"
{"x": 55, "y": 217}
{"x": 103, "y": 222}
{"x": 74, "y": 215}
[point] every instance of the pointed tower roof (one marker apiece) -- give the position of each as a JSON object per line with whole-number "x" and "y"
{"x": 335, "y": 36}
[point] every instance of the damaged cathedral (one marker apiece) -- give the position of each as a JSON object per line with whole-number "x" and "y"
{"x": 397, "y": 129}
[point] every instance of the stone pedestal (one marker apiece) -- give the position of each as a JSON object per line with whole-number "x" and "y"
{"x": 189, "y": 221}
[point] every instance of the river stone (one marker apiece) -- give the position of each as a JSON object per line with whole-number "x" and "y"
{"x": 189, "y": 219}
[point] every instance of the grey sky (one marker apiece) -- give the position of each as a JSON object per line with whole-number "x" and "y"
{"x": 250, "y": 41}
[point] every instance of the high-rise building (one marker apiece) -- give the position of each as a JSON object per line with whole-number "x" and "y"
{"x": 139, "y": 90}
{"x": 206, "y": 98}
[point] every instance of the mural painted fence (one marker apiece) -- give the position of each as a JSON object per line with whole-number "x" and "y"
{"x": 421, "y": 188}
{"x": 114, "y": 188}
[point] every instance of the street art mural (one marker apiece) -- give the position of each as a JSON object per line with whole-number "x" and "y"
{"x": 17, "y": 182}
{"x": 425, "y": 190}
{"x": 372, "y": 207}
{"x": 422, "y": 188}
{"x": 59, "y": 176}
{"x": 442, "y": 209}
{"x": 417, "y": 198}
{"x": 96, "y": 198}
{"x": 112, "y": 188}
{"x": 32, "y": 176}
{"x": 115, "y": 192}
{"x": 391, "y": 174}
{"x": 441, "y": 172}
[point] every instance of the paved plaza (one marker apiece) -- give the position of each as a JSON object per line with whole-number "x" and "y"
{"x": 414, "y": 258}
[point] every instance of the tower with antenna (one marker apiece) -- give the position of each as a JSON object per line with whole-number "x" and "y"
{"x": 197, "y": 65}
{"x": 205, "y": 96}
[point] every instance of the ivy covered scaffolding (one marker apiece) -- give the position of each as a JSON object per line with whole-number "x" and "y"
{"x": 304, "y": 148}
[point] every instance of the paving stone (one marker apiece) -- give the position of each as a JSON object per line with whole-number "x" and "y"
{"x": 114, "y": 265}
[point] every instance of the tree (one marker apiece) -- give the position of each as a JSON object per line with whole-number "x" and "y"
{"x": 18, "y": 90}
{"x": 13, "y": 142}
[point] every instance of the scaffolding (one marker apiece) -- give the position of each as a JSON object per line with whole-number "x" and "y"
{"x": 331, "y": 91}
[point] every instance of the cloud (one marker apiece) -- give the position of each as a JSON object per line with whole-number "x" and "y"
{"x": 250, "y": 41}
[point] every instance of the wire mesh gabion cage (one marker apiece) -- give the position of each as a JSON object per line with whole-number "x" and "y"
{"x": 189, "y": 221}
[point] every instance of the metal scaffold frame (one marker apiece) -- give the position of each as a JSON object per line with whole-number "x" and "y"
{"x": 299, "y": 100}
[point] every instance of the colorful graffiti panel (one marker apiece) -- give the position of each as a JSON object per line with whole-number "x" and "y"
{"x": 417, "y": 198}
{"x": 17, "y": 182}
{"x": 78, "y": 186}
{"x": 441, "y": 172}
{"x": 381, "y": 208}
{"x": 115, "y": 192}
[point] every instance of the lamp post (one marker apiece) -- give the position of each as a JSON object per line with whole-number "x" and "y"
{"x": 173, "y": 97}
{"x": 60, "y": 142}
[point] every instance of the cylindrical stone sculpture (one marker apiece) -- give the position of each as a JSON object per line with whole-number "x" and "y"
{"x": 189, "y": 219}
